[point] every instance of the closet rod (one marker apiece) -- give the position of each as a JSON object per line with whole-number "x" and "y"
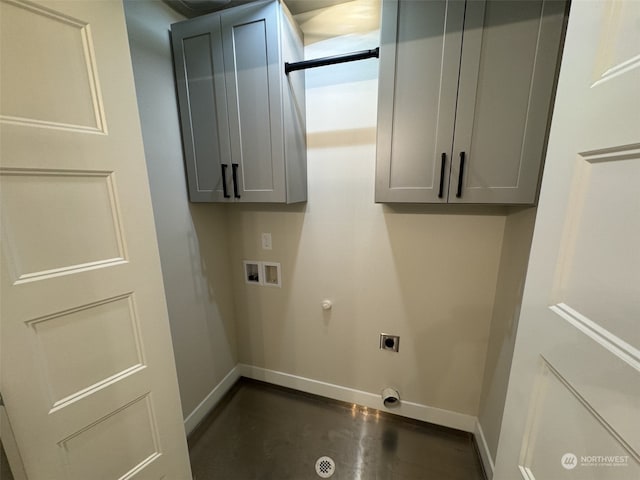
{"x": 319, "y": 62}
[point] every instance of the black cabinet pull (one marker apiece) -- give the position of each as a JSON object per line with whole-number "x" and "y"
{"x": 442, "y": 164}
{"x": 225, "y": 193}
{"x": 234, "y": 174}
{"x": 460, "y": 175}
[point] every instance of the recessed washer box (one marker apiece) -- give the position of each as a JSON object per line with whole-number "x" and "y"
{"x": 262, "y": 273}
{"x": 252, "y": 272}
{"x": 271, "y": 274}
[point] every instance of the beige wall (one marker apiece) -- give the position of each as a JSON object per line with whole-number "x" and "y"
{"x": 513, "y": 266}
{"x": 427, "y": 274}
{"x": 192, "y": 238}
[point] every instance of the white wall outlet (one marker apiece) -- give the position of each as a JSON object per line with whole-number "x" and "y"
{"x": 252, "y": 272}
{"x": 266, "y": 241}
{"x": 271, "y": 274}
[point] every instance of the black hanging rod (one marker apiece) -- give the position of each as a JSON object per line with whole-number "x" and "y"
{"x": 319, "y": 62}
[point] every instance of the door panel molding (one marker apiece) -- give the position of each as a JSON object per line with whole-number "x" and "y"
{"x": 548, "y": 379}
{"x": 52, "y": 42}
{"x": 615, "y": 345}
{"x": 94, "y": 191}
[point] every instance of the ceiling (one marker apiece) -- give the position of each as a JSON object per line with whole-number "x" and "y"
{"x": 314, "y": 17}
{"x": 193, "y": 8}
{"x": 301, "y": 6}
{"x": 361, "y": 17}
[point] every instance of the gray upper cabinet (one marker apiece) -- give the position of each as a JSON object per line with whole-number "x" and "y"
{"x": 465, "y": 96}
{"x": 418, "y": 83}
{"x": 243, "y": 119}
{"x": 202, "y": 98}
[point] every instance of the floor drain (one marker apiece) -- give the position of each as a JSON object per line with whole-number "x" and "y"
{"x": 325, "y": 467}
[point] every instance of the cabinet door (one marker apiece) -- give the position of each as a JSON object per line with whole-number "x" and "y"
{"x": 198, "y": 59}
{"x": 507, "y": 76}
{"x": 254, "y": 70}
{"x": 419, "y": 64}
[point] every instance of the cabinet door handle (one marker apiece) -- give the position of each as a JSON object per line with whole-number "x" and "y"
{"x": 225, "y": 193}
{"x": 442, "y": 164}
{"x": 460, "y": 175}
{"x": 234, "y": 174}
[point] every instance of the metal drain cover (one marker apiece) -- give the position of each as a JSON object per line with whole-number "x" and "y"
{"x": 325, "y": 467}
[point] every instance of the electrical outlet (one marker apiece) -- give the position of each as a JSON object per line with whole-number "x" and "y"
{"x": 266, "y": 241}
{"x": 389, "y": 342}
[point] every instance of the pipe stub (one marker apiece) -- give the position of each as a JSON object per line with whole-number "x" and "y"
{"x": 390, "y": 397}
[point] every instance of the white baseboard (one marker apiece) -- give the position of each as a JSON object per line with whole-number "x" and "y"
{"x": 416, "y": 411}
{"x": 211, "y": 400}
{"x": 485, "y": 454}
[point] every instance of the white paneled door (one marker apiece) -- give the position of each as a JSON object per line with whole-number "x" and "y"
{"x": 88, "y": 375}
{"x": 573, "y": 404}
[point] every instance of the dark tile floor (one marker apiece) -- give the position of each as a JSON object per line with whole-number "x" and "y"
{"x": 260, "y": 431}
{"x": 5, "y": 473}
